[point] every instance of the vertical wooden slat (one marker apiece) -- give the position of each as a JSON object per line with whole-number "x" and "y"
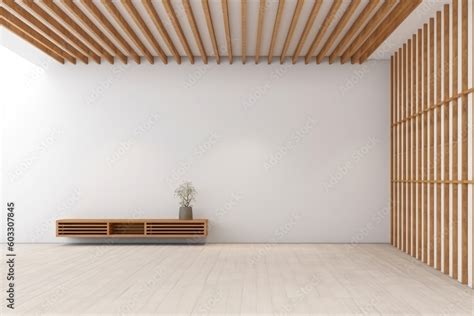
{"x": 432, "y": 141}
{"x": 464, "y": 143}
{"x": 400, "y": 144}
{"x": 419, "y": 145}
{"x": 404, "y": 149}
{"x": 438, "y": 140}
{"x": 409, "y": 153}
{"x": 446, "y": 142}
{"x": 261, "y": 18}
{"x": 395, "y": 171}
{"x": 425, "y": 143}
{"x": 243, "y": 14}
{"x": 413, "y": 161}
{"x": 455, "y": 173}
{"x": 391, "y": 147}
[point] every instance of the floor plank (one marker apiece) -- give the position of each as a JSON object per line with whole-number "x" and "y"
{"x": 230, "y": 279}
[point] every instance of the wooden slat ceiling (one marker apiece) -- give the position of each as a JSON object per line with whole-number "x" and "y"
{"x": 313, "y": 31}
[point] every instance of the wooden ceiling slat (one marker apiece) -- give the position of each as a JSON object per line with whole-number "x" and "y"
{"x": 57, "y": 23}
{"x": 46, "y": 30}
{"x": 291, "y": 30}
{"x": 356, "y": 26}
{"x": 177, "y": 27}
{"x": 112, "y": 9}
{"x": 161, "y": 29}
{"x": 130, "y": 7}
{"x": 91, "y": 25}
{"x": 28, "y": 37}
{"x": 309, "y": 24}
{"x": 228, "y": 39}
{"x": 47, "y": 18}
{"x": 261, "y": 18}
{"x": 210, "y": 27}
{"x": 384, "y": 30}
{"x": 327, "y": 22}
{"x": 197, "y": 36}
{"x": 276, "y": 28}
{"x": 78, "y": 29}
{"x": 338, "y": 29}
{"x": 35, "y": 36}
{"x": 244, "y": 30}
{"x": 102, "y": 19}
{"x": 368, "y": 29}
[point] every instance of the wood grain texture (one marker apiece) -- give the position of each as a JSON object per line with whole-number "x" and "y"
{"x": 420, "y": 204}
{"x": 261, "y": 20}
{"x": 276, "y": 29}
{"x": 413, "y": 147}
{"x": 50, "y": 34}
{"x": 368, "y": 29}
{"x": 465, "y": 141}
{"x": 77, "y": 12}
{"x": 150, "y": 9}
{"x": 400, "y": 150}
{"x": 404, "y": 149}
{"x": 425, "y": 142}
{"x": 131, "y": 228}
{"x": 112, "y": 9}
{"x": 102, "y": 20}
{"x": 392, "y": 141}
{"x": 235, "y": 278}
{"x": 431, "y": 136}
{"x": 30, "y": 38}
{"x": 244, "y": 27}
{"x": 446, "y": 136}
{"x": 337, "y": 30}
{"x": 178, "y": 29}
{"x": 137, "y": 18}
{"x": 438, "y": 149}
{"x": 336, "y": 4}
{"x": 396, "y": 148}
{"x": 309, "y": 24}
{"x": 355, "y": 27}
{"x": 48, "y": 19}
{"x": 291, "y": 29}
{"x": 197, "y": 36}
{"x": 455, "y": 126}
{"x": 409, "y": 152}
{"x": 210, "y": 28}
{"x": 228, "y": 38}
{"x": 78, "y": 29}
{"x": 392, "y": 22}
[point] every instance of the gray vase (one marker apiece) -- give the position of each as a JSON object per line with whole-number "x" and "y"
{"x": 185, "y": 212}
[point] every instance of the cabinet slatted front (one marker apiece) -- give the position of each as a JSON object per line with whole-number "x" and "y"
{"x": 158, "y": 228}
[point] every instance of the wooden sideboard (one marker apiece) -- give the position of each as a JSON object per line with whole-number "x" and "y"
{"x": 130, "y": 228}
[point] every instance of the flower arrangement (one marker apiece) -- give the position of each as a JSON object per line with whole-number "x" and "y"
{"x": 186, "y": 193}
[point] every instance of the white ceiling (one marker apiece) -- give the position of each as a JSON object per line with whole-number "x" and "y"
{"x": 427, "y": 9}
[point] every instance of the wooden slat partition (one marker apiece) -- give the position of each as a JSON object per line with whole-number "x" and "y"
{"x": 419, "y": 205}
{"x": 425, "y": 143}
{"x": 455, "y": 149}
{"x": 408, "y": 128}
{"x": 431, "y": 212}
{"x": 413, "y": 141}
{"x": 395, "y": 145}
{"x": 438, "y": 141}
{"x": 447, "y": 136}
{"x": 431, "y": 152}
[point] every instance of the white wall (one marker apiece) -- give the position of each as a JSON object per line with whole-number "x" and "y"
{"x": 277, "y": 153}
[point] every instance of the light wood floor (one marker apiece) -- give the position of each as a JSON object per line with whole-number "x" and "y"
{"x": 230, "y": 279}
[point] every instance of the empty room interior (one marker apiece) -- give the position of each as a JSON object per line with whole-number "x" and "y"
{"x": 236, "y": 157}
